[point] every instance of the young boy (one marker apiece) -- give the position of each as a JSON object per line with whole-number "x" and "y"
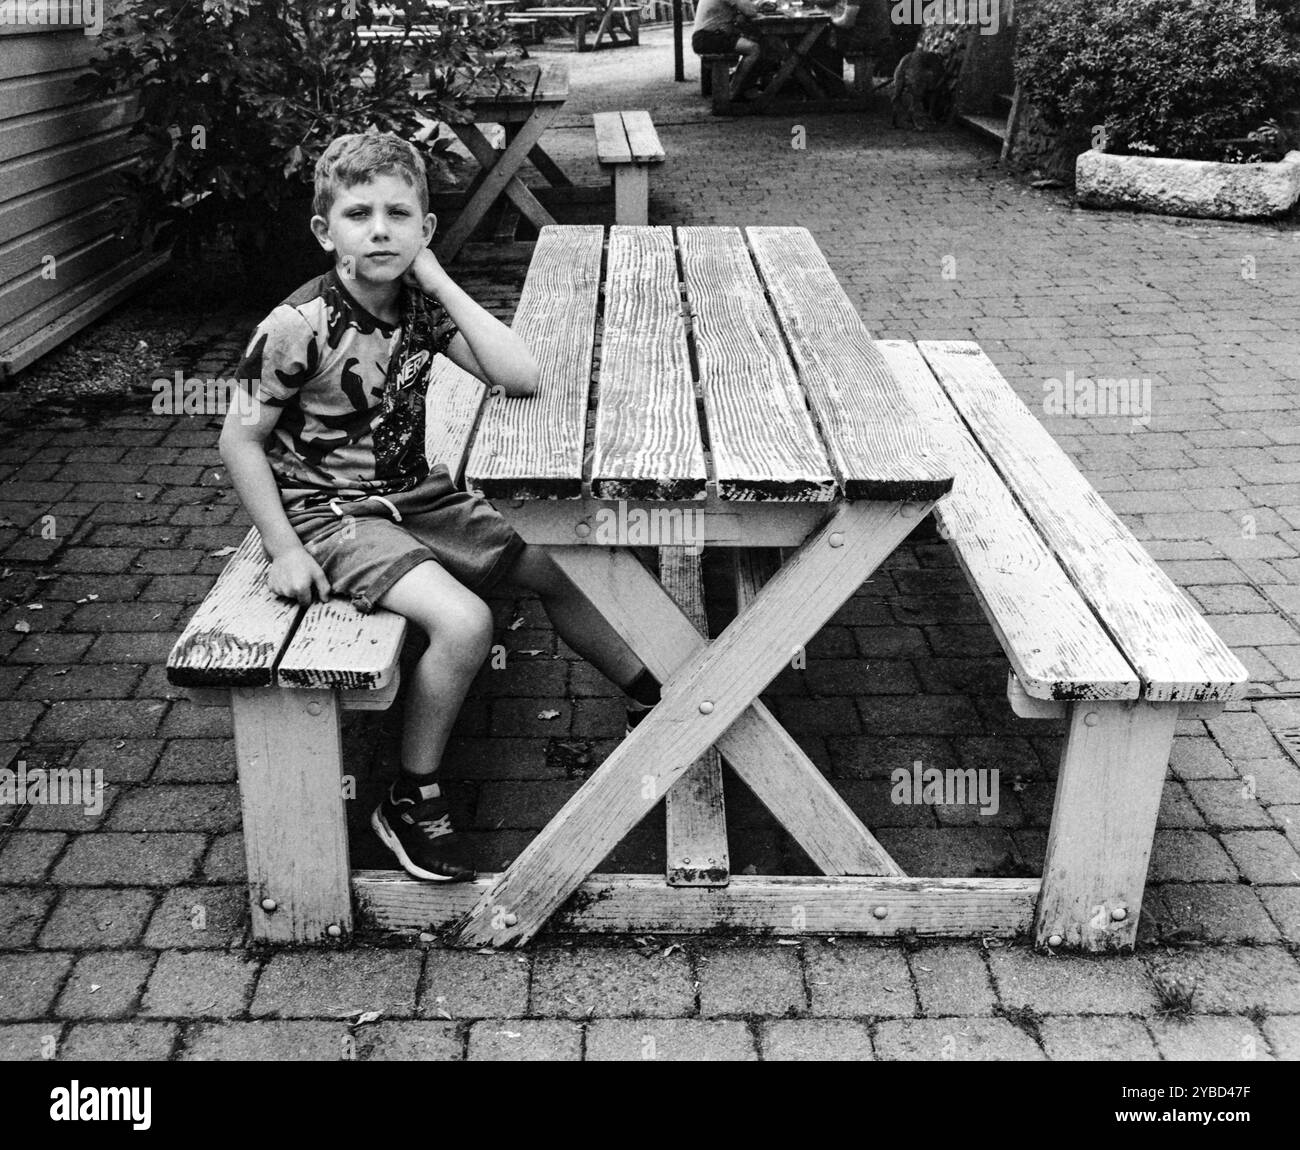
{"x": 328, "y": 459}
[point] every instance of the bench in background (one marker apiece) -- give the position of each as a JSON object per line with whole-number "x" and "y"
{"x": 627, "y": 145}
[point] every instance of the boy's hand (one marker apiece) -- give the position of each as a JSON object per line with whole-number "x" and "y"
{"x": 427, "y": 274}
{"x": 295, "y": 574}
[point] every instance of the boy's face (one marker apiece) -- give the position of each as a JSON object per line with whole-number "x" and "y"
{"x": 375, "y": 230}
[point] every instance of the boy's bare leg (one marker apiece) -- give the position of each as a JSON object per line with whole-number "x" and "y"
{"x": 459, "y": 626}
{"x": 576, "y": 621}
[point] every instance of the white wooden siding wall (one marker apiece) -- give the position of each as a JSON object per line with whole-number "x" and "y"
{"x": 57, "y": 151}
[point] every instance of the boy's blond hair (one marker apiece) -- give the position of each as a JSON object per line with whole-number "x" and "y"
{"x": 361, "y": 156}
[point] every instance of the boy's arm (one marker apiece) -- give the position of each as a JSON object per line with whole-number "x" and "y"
{"x": 294, "y": 574}
{"x": 484, "y": 346}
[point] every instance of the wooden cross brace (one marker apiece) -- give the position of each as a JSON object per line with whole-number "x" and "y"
{"x": 709, "y": 696}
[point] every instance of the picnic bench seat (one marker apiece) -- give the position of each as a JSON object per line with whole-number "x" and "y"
{"x": 626, "y": 146}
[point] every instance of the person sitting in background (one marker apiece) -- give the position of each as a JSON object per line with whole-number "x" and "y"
{"x": 716, "y": 31}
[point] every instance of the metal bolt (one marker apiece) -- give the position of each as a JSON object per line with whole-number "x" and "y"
{"x": 269, "y": 904}
{"x": 510, "y": 919}
{"x": 706, "y": 708}
{"x": 334, "y": 930}
{"x": 837, "y": 539}
{"x": 1055, "y": 940}
{"x": 1091, "y": 719}
{"x": 686, "y": 862}
{"x": 313, "y": 708}
{"x": 582, "y": 530}
{"x": 1119, "y": 914}
{"x": 880, "y": 911}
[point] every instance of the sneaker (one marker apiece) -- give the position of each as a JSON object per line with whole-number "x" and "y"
{"x": 419, "y": 832}
{"x": 635, "y": 714}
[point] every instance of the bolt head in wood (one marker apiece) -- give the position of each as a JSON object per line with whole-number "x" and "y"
{"x": 269, "y": 904}
{"x": 837, "y": 539}
{"x": 334, "y": 930}
{"x": 879, "y": 911}
{"x": 510, "y": 919}
{"x": 582, "y": 530}
{"x": 313, "y": 708}
{"x": 706, "y": 708}
{"x": 1119, "y": 914}
{"x": 1091, "y": 719}
{"x": 1055, "y": 940}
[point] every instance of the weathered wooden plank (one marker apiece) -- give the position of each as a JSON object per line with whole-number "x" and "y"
{"x": 784, "y": 906}
{"x": 26, "y": 94}
{"x": 57, "y": 239}
{"x": 642, "y": 139}
{"x": 532, "y": 447}
{"x": 1051, "y": 637}
{"x": 46, "y": 205}
{"x": 1112, "y": 773}
{"x": 289, "y": 751}
{"x": 696, "y": 817}
{"x": 878, "y": 445}
{"x": 632, "y": 195}
{"x": 647, "y": 437}
{"x": 699, "y": 703}
{"x": 52, "y": 128}
{"x": 452, "y": 405}
{"x": 760, "y": 433}
{"x": 611, "y": 139}
{"x": 712, "y": 521}
{"x": 41, "y": 169}
{"x": 47, "y": 52}
{"x": 238, "y": 631}
{"x": 1172, "y": 648}
{"x": 19, "y": 296}
{"x": 756, "y": 746}
{"x": 335, "y": 646}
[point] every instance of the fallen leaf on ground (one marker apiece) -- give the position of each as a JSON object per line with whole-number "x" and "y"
{"x": 517, "y": 623}
{"x": 23, "y": 626}
{"x": 222, "y": 552}
{"x": 548, "y": 714}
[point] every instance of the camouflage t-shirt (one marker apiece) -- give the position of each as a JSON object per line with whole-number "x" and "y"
{"x": 351, "y": 389}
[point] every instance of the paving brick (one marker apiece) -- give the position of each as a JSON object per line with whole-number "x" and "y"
{"x": 119, "y": 1042}
{"x": 1235, "y": 978}
{"x": 26, "y": 856}
{"x": 186, "y": 721}
{"x": 129, "y": 859}
{"x": 1202, "y": 1039}
{"x": 17, "y": 718}
{"x": 49, "y": 648}
{"x": 121, "y": 760}
{"x": 750, "y": 980}
{"x": 1189, "y": 856}
{"x": 1092, "y": 1039}
{"x": 199, "y": 916}
{"x": 268, "y": 1042}
{"x": 610, "y": 982}
{"x": 1227, "y": 804}
{"x": 1177, "y": 809}
{"x": 856, "y": 979}
{"x": 105, "y": 984}
{"x": 951, "y": 980}
{"x": 1275, "y": 780}
{"x": 196, "y": 807}
{"x": 669, "y": 1040}
{"x": 522, "y": 805}
{"x": 525, "y": 1040}
{"x": 1199, "y": 759}
{"x": 332, "y": 984}
{"x": 224, "y": 861}
{"x": 97, "y": 917}
{"x": 29, "y": 1041}
{"x": 22, "y": 911}
{"x": 955, "y": 1040}
{"x": 1212, "y": 912}
{"x": 71, "y": 721}
{"x": 1263, "y": 856}
{"x": 1283, "y": 904}
{"x": 1283, "y": 1034}
{"x": 29, "y": 983}
{"x": 1059, "y": 984}
{"x": 409, "y": 1042}
{"x": 873, "y": 756}
{"x": 815, "y": 1040}
{"x": 960, "y": 852}
{"x": 464, "y": 984}
{"x": 1243, "y": 734}
{"x": 206, "y": 984}
{"x": 197, "y": 761}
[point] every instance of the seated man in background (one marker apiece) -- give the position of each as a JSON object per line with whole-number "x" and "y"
{"x": 716, "y": 31}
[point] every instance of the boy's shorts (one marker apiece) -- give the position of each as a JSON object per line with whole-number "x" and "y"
{"x": 714, "y": 41}
{"x": 364, "y": 549}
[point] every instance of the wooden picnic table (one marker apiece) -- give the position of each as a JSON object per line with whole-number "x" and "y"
{"x": 526, "y": 107}
{"x": 800, "y": 40}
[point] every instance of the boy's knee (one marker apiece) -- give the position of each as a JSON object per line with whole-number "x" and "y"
{"x": 463, "y": 633}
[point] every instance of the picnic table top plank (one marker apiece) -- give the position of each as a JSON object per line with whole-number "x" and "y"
{"x": 546, "y": 83}
{"x": 532, "y": 447}
{"x": 239, "y": 630}
{"x": 611, "y": 138}
{"x": 1053, "y": 640}
{"x": 647, "y": 434}
{"x": 642, "y": 139}
{"x": 452, "y": 403}
{"x": 877, "y": 442}
{"x": 1178, "y": 655}
{"x": 336, "y": 646}
{"x": 761, "y": 435}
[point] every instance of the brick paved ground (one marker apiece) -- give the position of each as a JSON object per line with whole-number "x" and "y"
{"x": 122, "y": 930}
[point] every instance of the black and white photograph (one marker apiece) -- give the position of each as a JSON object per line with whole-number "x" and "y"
{"x": 649, "y": 530}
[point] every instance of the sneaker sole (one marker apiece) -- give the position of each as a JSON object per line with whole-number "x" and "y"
{"x": 380, "y": 826}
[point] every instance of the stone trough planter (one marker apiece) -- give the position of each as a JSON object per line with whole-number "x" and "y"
{"x": 1188, "y": 187}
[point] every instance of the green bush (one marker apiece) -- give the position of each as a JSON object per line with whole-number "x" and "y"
{"x": 1179, "y": 78}
{"x": 239, "y": 98}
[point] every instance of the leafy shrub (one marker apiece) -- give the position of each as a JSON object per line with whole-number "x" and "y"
{"x": 1180, "y": 78}
{"x": 239, "y": 98}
